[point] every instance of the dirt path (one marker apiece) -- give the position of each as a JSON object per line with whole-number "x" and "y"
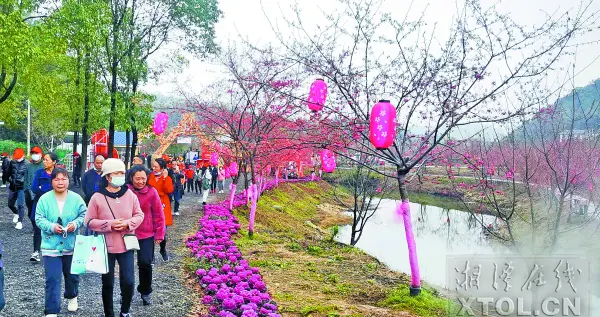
{"x": 24, "y": 281}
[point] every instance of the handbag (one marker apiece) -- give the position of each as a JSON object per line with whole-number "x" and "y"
{"x": 90, "y": 254}
{"x": 130, "y": 240}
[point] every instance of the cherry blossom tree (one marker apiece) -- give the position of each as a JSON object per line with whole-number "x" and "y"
{"x": 436, "y": 84}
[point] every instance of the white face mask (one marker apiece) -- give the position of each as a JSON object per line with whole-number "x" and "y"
{"x": 20, "y": 160}
{"x": 36, "y": 157}
{"x": 118, "y": 181}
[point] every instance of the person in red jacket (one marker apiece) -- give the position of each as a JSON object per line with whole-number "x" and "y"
{"x": 151, "y": 231}
{"x": 163, "y": 183}
{"x": 189, "y": 175}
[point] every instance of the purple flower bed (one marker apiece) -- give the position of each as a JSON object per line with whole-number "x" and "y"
{"x": 232, "y": 287}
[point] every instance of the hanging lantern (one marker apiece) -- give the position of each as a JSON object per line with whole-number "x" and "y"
{"x": 160, "y": 123}
{"x": 317, "y": 95}
{"x": 214, "y": 159}
{"x": 328, "y": 161}
{"x": 233, "y": 169}
{"x": 383, "y": 125}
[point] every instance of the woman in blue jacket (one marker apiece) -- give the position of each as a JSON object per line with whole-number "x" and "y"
{"x": 58, "y": 214}
{"x": 40, "y": 185}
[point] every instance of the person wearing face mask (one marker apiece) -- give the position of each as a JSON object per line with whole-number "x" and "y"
{"x": 17, "y": 173}
{"x": 41, "y": 184}
{"x": 35, "y": 164}
{"x": 163, "y": 183}
{"x": 152, "y": 229}
{"x": 90, "y": 183}
{"x": 59, "y": 213}
{"x": 114, "y": 211}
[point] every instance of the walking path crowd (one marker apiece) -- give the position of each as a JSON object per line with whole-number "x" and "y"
{"x": 133, "y": 209}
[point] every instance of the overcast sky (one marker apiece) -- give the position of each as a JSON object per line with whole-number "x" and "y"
{"x": 246, "y": 18}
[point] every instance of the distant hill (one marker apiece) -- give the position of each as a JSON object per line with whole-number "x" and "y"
{"x": 582, "y": 105}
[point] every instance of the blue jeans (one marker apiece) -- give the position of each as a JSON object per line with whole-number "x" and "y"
{"x": 17, "y": 198}
{"x": 126, "y": 279}
{"x": 2, "y": 300}
{"x": 54, "y": 267}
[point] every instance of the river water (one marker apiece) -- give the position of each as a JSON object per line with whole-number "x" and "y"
{"x": 438, "y": 233}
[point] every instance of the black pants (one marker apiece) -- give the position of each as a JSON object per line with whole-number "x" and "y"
{"x": 213, "y": 184}
{"x": 126, "y": 280}
{"x": 76, "y": 180}
{"x": 198, "y": 186}
{"x": 145, "y": 256}
{"x": 37, "y": 233}
{"x": 190, "y": 185}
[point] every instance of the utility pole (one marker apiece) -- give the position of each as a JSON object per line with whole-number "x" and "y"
{"x": 28, "y": 126}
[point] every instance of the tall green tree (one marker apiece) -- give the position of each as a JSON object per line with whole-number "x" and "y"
{"x": 139, "y": 28}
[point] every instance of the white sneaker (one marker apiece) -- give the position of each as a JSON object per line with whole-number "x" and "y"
{"x": 16, "y": 219}
{"x": 72, "y": 305}
{"x": 19, "y": 226}
{"x": 176, "y": 214}
{"x": 52, "y": 315}
{"x": 35, "y": 257}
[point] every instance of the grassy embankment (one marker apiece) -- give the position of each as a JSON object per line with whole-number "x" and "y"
{"x": 309, "y": 274}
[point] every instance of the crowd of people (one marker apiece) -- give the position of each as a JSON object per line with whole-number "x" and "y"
{"x": 109, "y": 199}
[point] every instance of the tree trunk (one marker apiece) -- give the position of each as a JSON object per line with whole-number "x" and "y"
{"x": 134, "y": 141}
{"x": 77, "y": 89}
{"x": 127, "y": 145}
{"x": 404, "y": 209}
{"x": 86, "y": 114}
{"x": 113, "y": 108}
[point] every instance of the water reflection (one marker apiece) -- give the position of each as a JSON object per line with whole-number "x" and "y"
{"x": 438, "y": 232}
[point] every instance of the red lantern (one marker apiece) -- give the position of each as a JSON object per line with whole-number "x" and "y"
{"x": 160, "y": 123}
{"x": 317, "y": 95}
{"x": 328, "y": 161}
{"x": 383, "y": 125}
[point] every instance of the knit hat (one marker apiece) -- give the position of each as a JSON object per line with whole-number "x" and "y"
{"x": 18, "y": 154}
{"x": 112, "y": 165}
{"x": 36, "y": 149}
{"x": 75, "y": 154}
{"x": 4, "y": 154}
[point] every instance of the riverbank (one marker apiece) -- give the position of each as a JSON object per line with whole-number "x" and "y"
{"x": 309, "y": 274}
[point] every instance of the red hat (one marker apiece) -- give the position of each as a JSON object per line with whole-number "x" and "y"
{"x": 18, "y": 154}
{"x": 75, "y": 154}
{"x": 4, "y": 154}
{"x": 36, "y": 149}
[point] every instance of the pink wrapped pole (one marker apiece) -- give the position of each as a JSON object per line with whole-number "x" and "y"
{"x": 312, "y": 176}
{"x": 403, "y": 208}
{"x": 254, "y": 193}
{"x": 231, "y": 194}
{"x": 320, "y": 173}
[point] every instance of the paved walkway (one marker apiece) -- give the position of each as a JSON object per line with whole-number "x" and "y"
{"x": 24, "y": 281}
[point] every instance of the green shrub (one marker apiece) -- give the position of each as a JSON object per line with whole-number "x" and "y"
{"x": 9, "y": 146}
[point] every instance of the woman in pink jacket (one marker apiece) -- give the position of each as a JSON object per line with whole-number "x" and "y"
{"x": 151, "y": 231}
{"x": 221, "y": 179}
{"x": 114, "y": 211}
